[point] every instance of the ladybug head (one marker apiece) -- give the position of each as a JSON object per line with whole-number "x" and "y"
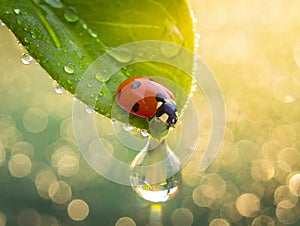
{"x": 167, "y": 112}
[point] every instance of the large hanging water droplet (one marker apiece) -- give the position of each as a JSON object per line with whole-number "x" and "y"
{"x": 69, "y": 68}
{"x": 123, "y": 55}
{"x": 26, "y": 58}
{"x": 58, "y": 88}
{"x": 70, "y": 15}
{"x": 155, "y": 172}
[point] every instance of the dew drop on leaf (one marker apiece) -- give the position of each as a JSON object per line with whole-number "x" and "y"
{"x": 127, "y": 127}
{"x": 102, "y": 76}
{"x": 89, "y": 110}
{"x": 27, "y": 40}
{"x": 92, "y": 33}
{"x": 144, "y": 133}
{"x": 26, "y": 58}
{"x": 122, "y": 55}
{"x": 17, "y": 11}
{"x": 2, "y": 24}
{"x": 57, "y": 88}
{"x": 113, "y": 121}
{"x": 70, "y": 15}
{"x": 69, "y": 68}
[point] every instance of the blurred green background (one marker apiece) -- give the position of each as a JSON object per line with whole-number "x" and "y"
{"x": 252, "y": 47}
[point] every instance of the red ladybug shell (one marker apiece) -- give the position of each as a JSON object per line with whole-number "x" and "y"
{"x": 137, "y": 95}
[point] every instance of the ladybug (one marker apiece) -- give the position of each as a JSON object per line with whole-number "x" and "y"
{"x": 146, "y": 98}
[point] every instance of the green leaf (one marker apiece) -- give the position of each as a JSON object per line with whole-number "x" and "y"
{"x": 65, "y": 37}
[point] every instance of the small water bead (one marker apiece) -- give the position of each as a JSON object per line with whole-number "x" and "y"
{"x": 78, "y": 210}
{"x": 2, "y": 24}
{"x": 113, "y": 121}
{"x": 144, "y": 133}
{"x": 123, "y": 55}
{"x": 170, "y": 50}
{"x": 263, "y": 220}
{"x": 27, "y": 40}
{"x": 102, "y": 76}
{"x": 84, "y": 25}
{"x": 74, "y": 98}
{"x": 58, "y": 88}
{"x": 89, "y": 110}
{"x": 70, "y": 15}
{"x": 17, "y": 11}
{"x": 248, "y": 204}
{"x": 127, "y": 127}
{"x": 92, "y": 32}
{"x": 69, "y": 68}
{"x": 26, "y": 59}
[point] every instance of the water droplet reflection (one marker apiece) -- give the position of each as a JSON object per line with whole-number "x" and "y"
{"x": 155, "y": 174}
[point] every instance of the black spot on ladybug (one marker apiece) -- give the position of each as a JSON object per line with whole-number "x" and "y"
{"x": 136, "y": 107}
{"x": 136, "y": 85}
{"x": 119, "y": 94}
{"x": 160, "y": 97}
